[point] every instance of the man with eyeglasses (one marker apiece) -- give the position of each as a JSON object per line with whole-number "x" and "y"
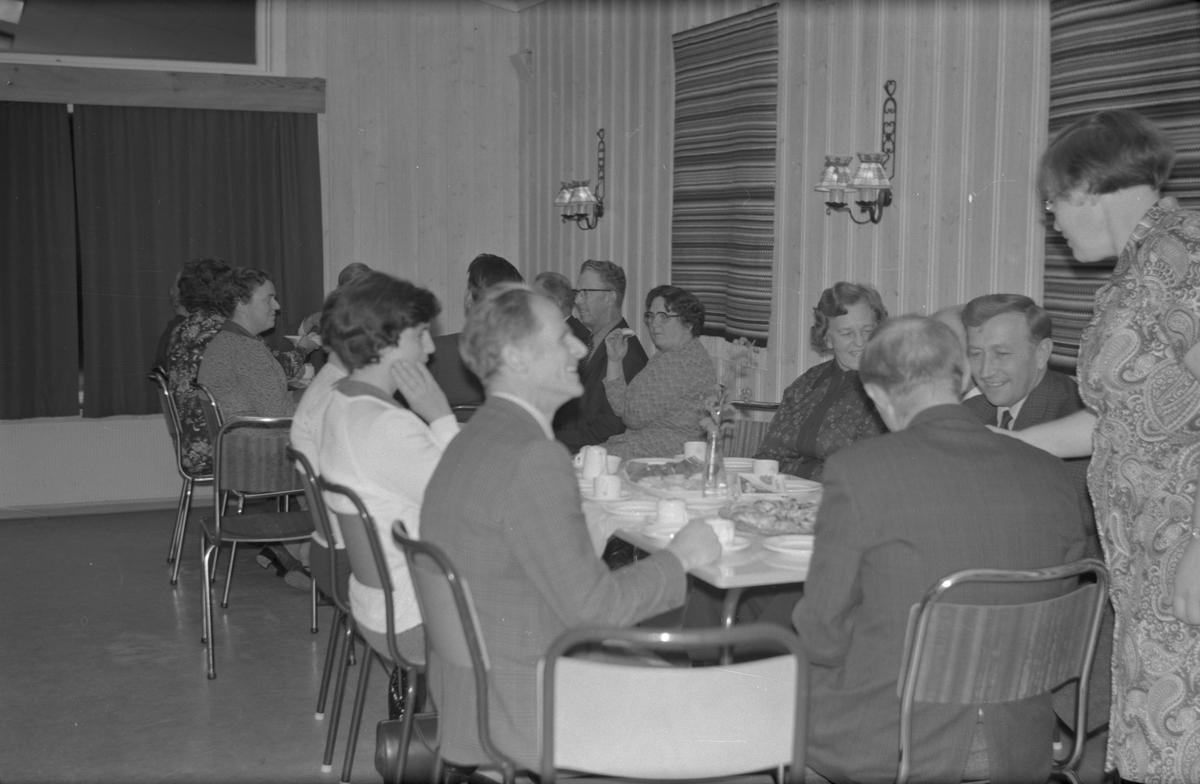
{"x": 589, "y": 419}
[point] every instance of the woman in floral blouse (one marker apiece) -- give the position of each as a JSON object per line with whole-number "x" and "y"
{"x": 663, "y": 405}
{"x": 826, "y": 408}
{"x": 202, "y": 284}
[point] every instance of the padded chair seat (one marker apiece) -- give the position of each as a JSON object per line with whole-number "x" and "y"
{"x": 260, "y": 527}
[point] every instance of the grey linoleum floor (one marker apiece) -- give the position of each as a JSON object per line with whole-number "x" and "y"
{"x": 102, "y": 675}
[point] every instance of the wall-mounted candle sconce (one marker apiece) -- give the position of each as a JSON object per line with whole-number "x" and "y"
{"x": 870, "y": 186}
{"x": 578, "y": 201}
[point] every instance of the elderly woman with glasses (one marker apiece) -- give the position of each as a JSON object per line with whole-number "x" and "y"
{"x": 826, "y": 408}
{"x": 663, "y": 404}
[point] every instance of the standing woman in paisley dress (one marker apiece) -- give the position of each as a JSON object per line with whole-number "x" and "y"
{"x": 1139, "y": 374}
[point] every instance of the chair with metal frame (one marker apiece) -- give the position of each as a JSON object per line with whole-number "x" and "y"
{"x": 369, "y": 565}
{"x": 452, "y": 630}
{"x": 664, "y": 721}
{"x": 190, "y": 480}
{"x": 259, "y": 528}
{"x": 343, "y": 622}
{"x": 1028, "y": 649}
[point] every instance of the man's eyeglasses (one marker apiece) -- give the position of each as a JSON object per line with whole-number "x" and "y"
{"x": 576, "y": 292}
{"x": 658, "y": 318}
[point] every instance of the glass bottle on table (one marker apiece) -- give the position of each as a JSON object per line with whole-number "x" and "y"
{"x": 715, "y": 483}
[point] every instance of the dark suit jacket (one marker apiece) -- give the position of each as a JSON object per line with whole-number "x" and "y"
{"x": 1056, "y": 396}
{"x": 589, "y": 419}
{"x": 462, "y": 387}
{"x": 504, "y": 504}
{"x": 899, "y": 511}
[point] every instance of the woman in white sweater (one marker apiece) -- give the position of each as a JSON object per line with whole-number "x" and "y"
{"x": 383, "y": 450}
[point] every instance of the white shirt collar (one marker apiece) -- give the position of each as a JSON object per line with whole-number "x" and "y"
{"x": 541, "y": 418}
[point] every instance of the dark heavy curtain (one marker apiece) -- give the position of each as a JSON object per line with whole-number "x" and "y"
{"x": 39, "y": 327}
{"x": 1142, "y": 55}
{"x": 723, "y": 210}
{"x": 157, "y": 187}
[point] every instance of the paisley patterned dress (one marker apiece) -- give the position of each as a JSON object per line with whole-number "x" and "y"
{"x": 1143, "y": 479}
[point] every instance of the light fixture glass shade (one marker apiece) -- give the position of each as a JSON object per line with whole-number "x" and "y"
{"x": 564, "y": 196}
{"x": 870, "y": 177}
{"x": 835, "y": 178}
{"x": 582, "y": 194}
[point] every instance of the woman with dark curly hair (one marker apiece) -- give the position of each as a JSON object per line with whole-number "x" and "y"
{"x": 379, "y": 327}
{"x": 663, "y": 405}
{"x": 201, "y": 285}
{"x": 826, "y": 408}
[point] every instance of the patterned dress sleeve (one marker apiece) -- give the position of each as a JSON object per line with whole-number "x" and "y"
{"x": 1171, "y": 260}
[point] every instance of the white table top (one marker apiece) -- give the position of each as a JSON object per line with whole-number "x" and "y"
{"x": 753, "y": 566}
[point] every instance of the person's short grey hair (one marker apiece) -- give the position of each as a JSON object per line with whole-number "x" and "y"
{"x": 502, "y": 317}
{"x": 557, "y": 287}
{"x": 908, "y": 353}
{"x": 610, "y": 274}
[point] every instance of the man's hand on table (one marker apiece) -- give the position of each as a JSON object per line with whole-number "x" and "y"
{"x": 695, "y": 545}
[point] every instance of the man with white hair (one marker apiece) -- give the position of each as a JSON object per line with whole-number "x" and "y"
{"x": 504, "y": 505}
{"x": 937, "y": 494}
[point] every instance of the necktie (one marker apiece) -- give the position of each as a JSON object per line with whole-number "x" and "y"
{"x": 1006, "y": 420}
{"x": 591, "y": 345}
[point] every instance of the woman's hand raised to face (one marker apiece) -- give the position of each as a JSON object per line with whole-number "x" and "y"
{"x": 422, "y": 392}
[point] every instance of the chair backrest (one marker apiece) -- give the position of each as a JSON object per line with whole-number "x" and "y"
{"x": 320, "y": 517}
{"x": 968, "y": 654}
{"x": 747, "y": 435}
{"x": 464, "y": 412}
{"x": 673, "y": 722}
{"x": 452, "y": 627}
{"x": 368, "y": 562}
{"x": 170, "y": 414}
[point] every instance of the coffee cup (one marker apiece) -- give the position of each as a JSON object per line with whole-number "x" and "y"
{"x": 614, "y": 464}
{"x": 695, "y": 449}
{"x": 765, "y": 467}
{"x": 595, "y": 462}
{"x": 672, "y": 513}
{"x": 607, "y": 487}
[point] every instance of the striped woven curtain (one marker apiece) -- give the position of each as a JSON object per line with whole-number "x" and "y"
{"x": 1142, "y": 55}
{"x": 723, "y": 215}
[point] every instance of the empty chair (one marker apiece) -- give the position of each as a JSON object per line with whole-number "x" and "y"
{"x": 259, "y": 528}
{"x": 967, "y": 654}
{"x": 342, "y": 627}
{"x": 674, "y": 723}
{"x": 452, "y": 631}
{"x": 190, "y": 479}
{"x": 369, "y": 567}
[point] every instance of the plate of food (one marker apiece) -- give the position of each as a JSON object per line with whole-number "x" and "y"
{"x": 631, "y": 508}
{"x": 773, "y": 515}
{"x": 792, "y": 545}
{"x": 666, "y": 477}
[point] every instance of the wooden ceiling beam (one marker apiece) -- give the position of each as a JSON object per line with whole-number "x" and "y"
{"x": 165, "y": 89}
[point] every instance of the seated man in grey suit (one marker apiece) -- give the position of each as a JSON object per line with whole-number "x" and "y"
{"x": 937, "y": 494}
{"x": 599, "y": 296}
{"x": 504, "y": 505}
{"x": 462, "y": 387}
{"x": 1008, "y": 346}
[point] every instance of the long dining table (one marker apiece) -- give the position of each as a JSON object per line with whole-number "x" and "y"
{"x": 734, "y": 571}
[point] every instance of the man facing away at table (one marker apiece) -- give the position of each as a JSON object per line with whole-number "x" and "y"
{"x": 504, "y": 505}
{"x": 937, "y": 494}
{"x": 590, "y": 419}
{"x": 462, "y": 387}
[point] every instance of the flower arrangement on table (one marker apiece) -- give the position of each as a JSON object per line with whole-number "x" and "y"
{"x": 719, "y": 411}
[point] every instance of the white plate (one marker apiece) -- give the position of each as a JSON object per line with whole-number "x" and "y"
{"x": 738, "y": 544}
{"x": 634, "y": 508}
{"x": 591, "y": 495}
{"x": 795, "y": 545}
{"x": 662, "y": 534}
{"x": 705, "y": 505}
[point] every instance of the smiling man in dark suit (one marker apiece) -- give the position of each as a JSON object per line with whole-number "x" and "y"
{"x": 937, "y": 494}
{"x": 590, "y": 419}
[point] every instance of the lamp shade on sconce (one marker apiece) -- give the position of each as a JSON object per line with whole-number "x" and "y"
{"x": 563, "y": 197}
{"x": 870, "y": 177}
{"x": 835, "y": 178}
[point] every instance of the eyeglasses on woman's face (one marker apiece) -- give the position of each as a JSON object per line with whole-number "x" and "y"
{"x": 658, "y": 317}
